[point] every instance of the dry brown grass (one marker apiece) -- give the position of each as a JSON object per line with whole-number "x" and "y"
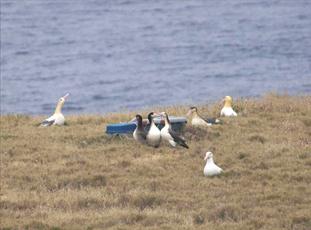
{"x": 75, "y": 177}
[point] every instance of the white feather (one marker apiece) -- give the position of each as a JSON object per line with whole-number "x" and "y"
{"x": 211, "y": 169}
{"x": 228, "y": 112}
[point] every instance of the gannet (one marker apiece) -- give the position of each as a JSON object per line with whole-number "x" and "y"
{"x": 168, "y": 134}
{"x": 57, "y": 118}
{"x": 211, "y": 168}
{"x": 140, "y": 134}
{"x": 227, "y": 110}
{"x": 197, "y": 120}
{"x": 154, "y": 134}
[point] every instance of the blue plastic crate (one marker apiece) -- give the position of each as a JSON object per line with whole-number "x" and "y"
{"x": 178, "y": 124}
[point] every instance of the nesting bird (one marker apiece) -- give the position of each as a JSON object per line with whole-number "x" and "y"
{"x": 168, "y": 134}
{"x": 57, "y": 118}
{"x": 139, "y": 133}
{"x": 153, "y": 136}
{"x": 227, "y": 110}
{"x": 197, "y": 120}
{"x": 211, "y": 169}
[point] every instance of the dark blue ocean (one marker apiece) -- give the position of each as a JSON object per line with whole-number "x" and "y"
{"x": 120, "y": 55}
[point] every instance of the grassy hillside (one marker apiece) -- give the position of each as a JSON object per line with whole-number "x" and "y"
{"x": 76, "y": 177}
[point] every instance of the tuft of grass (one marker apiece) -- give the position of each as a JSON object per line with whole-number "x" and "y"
{"x": 146, "y": 201}
{"x": 198, "y": 219}
{"x": 225, "y": 213}
{"x": 257, "y": 138}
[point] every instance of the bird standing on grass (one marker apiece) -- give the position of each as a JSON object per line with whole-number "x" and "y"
{"x": 140, "y": 134}
{"x": 211, "y": 169}
{"x": 168, "y": 134}
{"x": 57, "y": 118}
{"x": 197, "y": 120}
{"x": 227, "y": 110}
{"x": 154, "y": 135}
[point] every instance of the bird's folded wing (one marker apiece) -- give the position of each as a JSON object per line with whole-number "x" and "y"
{"x": 48, "y": 122}
{"x": 212, "y": 120}
{"x": 175, "y": 136}
{"x": 178, "y": 139}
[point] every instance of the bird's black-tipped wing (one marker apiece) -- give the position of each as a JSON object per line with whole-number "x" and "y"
{"x": 179, "y": 140}
{"x": 212, "y": 120}
{"x": 47, "y": 122}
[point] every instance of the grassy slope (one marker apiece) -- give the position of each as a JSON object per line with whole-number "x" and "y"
{"x": 75, "y": 177}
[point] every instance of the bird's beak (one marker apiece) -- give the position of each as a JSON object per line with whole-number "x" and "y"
{"x": 205, "y": 158}
{"x": 133, "y": 120}
{"x": 65, "y": 97}
{"x": 157, "y": 114}
{"x": 189, "y": 113}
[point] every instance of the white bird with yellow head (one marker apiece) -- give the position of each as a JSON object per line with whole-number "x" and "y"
{"x": 227, "y": 110}
{"x": 57, "y": 118}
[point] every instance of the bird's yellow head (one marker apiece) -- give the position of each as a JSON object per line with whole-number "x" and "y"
{"x": 228, "y": 101}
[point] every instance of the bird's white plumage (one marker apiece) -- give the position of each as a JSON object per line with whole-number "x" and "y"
{"x": 198, "y": 121}
{"x": 228, "y": 112}
{"x": 211, "y": 169}
{"x": 135, "y": 135}
{"x": 154, "y": 135}
{"x": 165, "y": 135}
{"x": 57, "y": 118}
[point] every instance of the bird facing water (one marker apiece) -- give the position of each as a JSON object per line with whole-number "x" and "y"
{"x": 57, "y": 118}
{"x": 227, "y": 110}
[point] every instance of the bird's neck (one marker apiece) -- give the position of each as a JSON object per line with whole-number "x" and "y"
{"x": 140, "y": 125}
{"x": 210, "y": 161}
{"x": 167, "y": 121}
{"x": 228, "y": 104}
{"x": 195, "y": 115}
{"x": 152, "y": 122}
{"x": 58, "y": 108}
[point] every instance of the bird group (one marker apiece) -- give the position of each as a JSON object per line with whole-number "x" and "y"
{"x": 154, "y": 135}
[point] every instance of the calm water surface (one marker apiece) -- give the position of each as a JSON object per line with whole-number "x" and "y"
{"x": 126, "y": 55}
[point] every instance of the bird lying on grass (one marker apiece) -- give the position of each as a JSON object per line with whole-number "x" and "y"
{"x": 227, "y": 110}
{"x": 211, "y": 169}
{"x": 197, "y": 120}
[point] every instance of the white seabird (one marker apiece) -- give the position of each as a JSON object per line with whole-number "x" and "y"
{"x": 227, "y": 110}
{"x": 154, "y": 134}
{"x": 197, "y": 120}
{"x": 168, "y": 134}
{"x": 57, "y": 118}
{"x": 211, "y": 169}
{"x": 139, "y": 133}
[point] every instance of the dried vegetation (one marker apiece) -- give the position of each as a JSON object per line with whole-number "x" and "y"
{"x": 76, "y": 177}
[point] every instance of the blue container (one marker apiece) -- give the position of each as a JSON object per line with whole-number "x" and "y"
{"x": 177, "y": 123}
{"x": 121, "y": 128}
